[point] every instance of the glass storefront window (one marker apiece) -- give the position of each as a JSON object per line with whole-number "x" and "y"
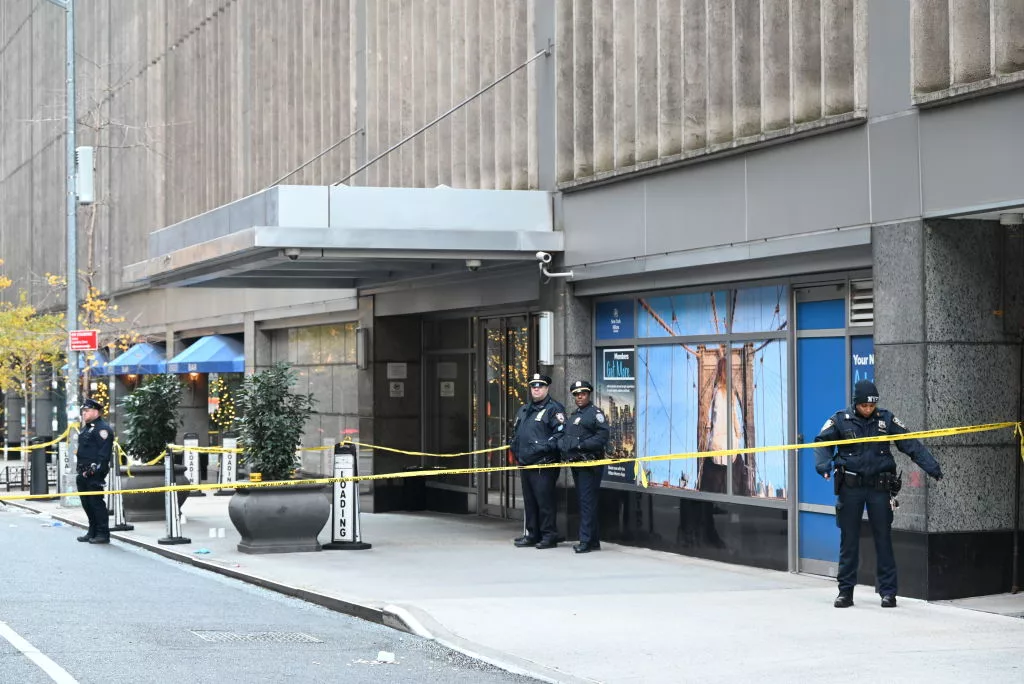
{"x": 681, "y": 408}
{"x": 760, "y": 309}
{"x": 760, "y": 401}
{"x": 700, "y": 313}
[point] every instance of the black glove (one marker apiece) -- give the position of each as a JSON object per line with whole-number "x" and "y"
{"x": 90, "y": 471}
{"x": 937, "y": 475}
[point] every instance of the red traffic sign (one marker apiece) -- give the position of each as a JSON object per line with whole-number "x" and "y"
{"x": 84, "y": 340}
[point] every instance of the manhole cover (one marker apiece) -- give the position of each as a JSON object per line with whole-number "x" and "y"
{"x": 256, "y": 637}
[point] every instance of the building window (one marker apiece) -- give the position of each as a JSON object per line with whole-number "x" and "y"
{"x": 722, "y": 383}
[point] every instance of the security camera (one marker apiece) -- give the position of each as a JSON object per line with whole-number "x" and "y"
{"x": 473, "y": 264}
{"x": 544, "y": 257}
{"x": 292, "y": 253}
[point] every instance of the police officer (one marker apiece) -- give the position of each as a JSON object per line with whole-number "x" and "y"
{"x": 865, "y": 474}
{"x": 95, "y": 442}
{"x": 584, "y": 439}
{"x": 535, "y": 436}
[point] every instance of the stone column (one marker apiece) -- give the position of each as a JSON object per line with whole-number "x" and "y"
{"x": 946, "y": 356}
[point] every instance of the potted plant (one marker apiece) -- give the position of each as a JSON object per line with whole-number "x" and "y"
{"x": 282, "y": 518}
{"x": 149, "y": 422}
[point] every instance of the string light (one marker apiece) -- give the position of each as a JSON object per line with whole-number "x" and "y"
{"x": 224, "y": 417}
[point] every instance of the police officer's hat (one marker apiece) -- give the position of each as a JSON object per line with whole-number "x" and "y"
{"x": 865, "y": 392}
{"x": 92, "y": 404}
{"x": 582, "y": 386}
{"x": 538, "y": 379}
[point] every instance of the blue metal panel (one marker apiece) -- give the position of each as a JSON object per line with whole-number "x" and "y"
{"x": 210, "y": 354}
{"x": 821, "y": 390}
{"x": 821, "y": 387}
{"x": 819, "y": 536}
{"x": 826, "y": 315}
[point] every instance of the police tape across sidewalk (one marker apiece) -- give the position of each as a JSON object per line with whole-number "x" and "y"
{"x": 922, "y": 434}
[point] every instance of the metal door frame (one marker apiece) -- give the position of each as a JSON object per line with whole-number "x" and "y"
{"x": 509, "y": 503}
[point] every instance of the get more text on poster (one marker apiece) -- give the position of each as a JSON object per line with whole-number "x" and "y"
{"x": 616, "y": 396}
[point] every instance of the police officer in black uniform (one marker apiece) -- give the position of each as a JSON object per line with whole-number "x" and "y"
{"x": 535, "y": 436}
{"x": 95, "y": 443}
{"x": 584, "y": 439}
{"x": 865, "y": 474}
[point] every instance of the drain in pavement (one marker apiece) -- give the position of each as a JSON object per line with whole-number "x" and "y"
{"x": 215, "y": 636}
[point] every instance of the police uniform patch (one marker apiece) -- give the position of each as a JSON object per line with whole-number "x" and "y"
{"x": 104, "y": 434}
{"x": 828, "y": 423}
{"x": 899, "y": 422}
{"x": 577, "y": 421}
{"x": 600, "y": 417}
{"x": 560, "y": 417}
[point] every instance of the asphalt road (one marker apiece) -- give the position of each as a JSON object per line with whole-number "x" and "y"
{"x": 73, "y": 612}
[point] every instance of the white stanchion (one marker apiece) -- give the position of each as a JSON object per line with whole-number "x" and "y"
{"x": 228, "y": 467}
{"x": 345, "y": 532}
{"x": 193, "y": 470}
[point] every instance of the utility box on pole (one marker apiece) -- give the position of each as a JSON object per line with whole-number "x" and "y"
{"x": 85, "y": 167}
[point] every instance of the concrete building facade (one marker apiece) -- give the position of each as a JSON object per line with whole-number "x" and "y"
{"x": 758, "y": 202}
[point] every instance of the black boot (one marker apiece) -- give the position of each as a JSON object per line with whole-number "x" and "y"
{"x": 100, "y": 540}
{"x": 889, "y": 601}
{"x": 85, "y": 537}
{"x": 843, "y": 601}
{"x": 525, "y": 541}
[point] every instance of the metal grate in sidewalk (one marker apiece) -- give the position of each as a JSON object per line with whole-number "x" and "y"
{"x": 222, "y": 637}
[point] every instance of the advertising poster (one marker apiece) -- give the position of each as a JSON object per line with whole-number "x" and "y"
{"x": 614, "y": 320}
{"x": 862, "y": 359}
{"x": 616, "y": 396}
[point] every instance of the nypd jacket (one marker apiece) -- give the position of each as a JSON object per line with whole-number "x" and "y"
{"x": 869, "y": 458}
{"x": 536, "y": 431}
{"x": 585, "y": 435}
{"x": 95, "y": 444}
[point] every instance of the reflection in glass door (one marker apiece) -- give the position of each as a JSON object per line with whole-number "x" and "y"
{"x": 506, "y": 360}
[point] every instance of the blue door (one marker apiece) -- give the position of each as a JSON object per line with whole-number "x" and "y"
{"x": 821, "y": 391}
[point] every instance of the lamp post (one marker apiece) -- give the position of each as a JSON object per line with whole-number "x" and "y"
{"x": 72, "y": 243}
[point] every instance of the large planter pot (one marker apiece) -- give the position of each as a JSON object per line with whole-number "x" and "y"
{"x": 280, "y": 519}
{"x": 149, "y": 507}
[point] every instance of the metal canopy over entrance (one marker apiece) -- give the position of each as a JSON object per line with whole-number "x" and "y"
{"x": 349, "y": 237}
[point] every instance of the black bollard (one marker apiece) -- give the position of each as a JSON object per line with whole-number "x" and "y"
{"x": 38, "y": 480}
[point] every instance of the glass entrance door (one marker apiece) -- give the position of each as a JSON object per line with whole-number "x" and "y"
{"x": 506, "y": 359}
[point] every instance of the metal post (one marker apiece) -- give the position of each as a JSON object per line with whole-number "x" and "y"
{"x": 120, "y": 523}
{"x": 172, "y": 514}
{"x": 72, "y": 230}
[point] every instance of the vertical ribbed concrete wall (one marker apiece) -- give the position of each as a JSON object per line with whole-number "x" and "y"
{"x": 960, "y": 42}
{"x": 192, "y": 105}
{"x": 655, "y": 79}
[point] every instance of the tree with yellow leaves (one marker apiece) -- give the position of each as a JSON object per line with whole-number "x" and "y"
{"x": 29, "y": 340}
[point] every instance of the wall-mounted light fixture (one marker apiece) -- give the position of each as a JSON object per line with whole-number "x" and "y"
{"x": 362, "y": 348}
{"x": 546, "y": 338}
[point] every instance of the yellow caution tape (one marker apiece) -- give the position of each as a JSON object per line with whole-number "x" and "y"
{"x": 33, "y": 447}
{"x": 424, "y": 453}
{"x": 923, "y": 434}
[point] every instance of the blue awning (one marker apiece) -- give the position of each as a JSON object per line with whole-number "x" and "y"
{"x": 142, "y": 359}
{"x": 97, "y": 366}
{"x": 210, "y": 354}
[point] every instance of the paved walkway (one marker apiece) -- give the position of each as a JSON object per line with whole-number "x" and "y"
{"x": 620, "y": 615}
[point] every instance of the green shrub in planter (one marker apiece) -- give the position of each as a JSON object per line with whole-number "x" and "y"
{"x": 149, "y": 417}
{"x": 272, "y": 420}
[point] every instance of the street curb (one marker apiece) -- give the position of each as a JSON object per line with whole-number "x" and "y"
{"x": 395, "y": 617}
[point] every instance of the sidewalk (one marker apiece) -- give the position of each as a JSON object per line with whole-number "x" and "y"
{"x": 620, "y": 615}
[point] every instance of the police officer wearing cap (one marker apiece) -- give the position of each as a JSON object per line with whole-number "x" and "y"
{"x": 584, "y": 439}
{"x": 95, "y": 444}
{"x": 865, "y": 475}
{"x": 538, "y": 427}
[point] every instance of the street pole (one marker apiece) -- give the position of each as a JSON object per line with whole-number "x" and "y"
{"x": 72, "y": 242}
